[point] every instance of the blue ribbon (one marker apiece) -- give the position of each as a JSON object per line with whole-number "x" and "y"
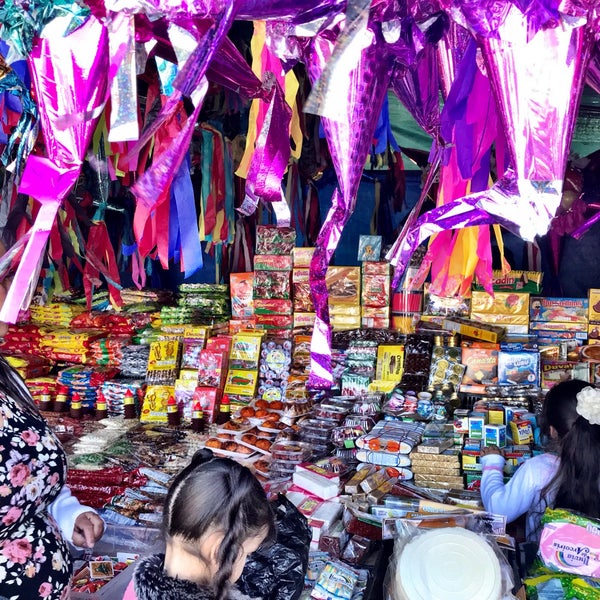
{"x": 183, "y": 224}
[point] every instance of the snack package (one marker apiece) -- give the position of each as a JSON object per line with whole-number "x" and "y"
{"x": 272, "y": 262}
{"x": 369, "y": 247}
{"x": 275, "y": 240}
{"x": 501, "y": 303}
{"x": 212, "y": 368}
{"x": 335, "y": 582}
{"x": 515, "y": 281}
{"x": 272, "y": 284}
{"x": 241, "y": 286}
{"x": 245, "y": 351}
{"x": 154, "y": 406}
{"x": 570, "y": 543}
{"x": 343, "y": 284}
{"x": 481, "y": 368}
{"x": 376, "y": 290}
{"x": 302, "y": 257}
{"x": 516, "y": 368}
{"x": 163, "y": 362}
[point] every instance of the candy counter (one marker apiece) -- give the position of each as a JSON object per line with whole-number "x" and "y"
{"x": 396, "y": 441}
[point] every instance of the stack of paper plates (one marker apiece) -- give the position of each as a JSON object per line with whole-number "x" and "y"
{"x": 449, "y": 564}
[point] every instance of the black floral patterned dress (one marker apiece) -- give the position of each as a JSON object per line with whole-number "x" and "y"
{"x": 34, "y": 557}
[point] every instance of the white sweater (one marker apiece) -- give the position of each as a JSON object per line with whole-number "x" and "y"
{"x": 65, "y": 510}
{"x": 523, "y": 493}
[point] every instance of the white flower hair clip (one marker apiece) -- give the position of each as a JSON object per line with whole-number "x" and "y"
{"x": 588, "y": 404}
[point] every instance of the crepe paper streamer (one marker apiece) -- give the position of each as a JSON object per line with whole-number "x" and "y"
{"x": 470, "y": 122}
{"x": 537, "y": 85}
{"x": 450, "y": 52}
{"x": 66, "y": 81}
{"x": 362, "y": 81}
{"x": 183, "y": 220}
{"x": 100, "y": 258}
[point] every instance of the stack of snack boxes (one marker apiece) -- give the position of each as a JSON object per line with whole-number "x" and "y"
{"x": 376, "y": 288}
{"x": 304, "y": 309}
{"x": 561, "y": 327}
{"x": 343, "y": 285}
{"x": 272, "y": 296}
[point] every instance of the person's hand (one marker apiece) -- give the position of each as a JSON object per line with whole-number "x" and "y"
{"x": 491, "y": 450}
{"x": 88, "y": 529}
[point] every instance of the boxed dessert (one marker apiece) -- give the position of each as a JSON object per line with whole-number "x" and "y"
{"x": 518, "y": 368}
{"x": 563, "y": 310}
{"x": 481, "y": 368}
{"x": 343, "y": 285}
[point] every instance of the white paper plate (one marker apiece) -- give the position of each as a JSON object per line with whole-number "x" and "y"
{"x": 449, "y": 564}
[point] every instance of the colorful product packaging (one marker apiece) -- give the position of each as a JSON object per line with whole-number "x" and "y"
{"x": 515, "y": 281}
{"x": 474, "y": 329}
{"x": 518, "y": 368}
{"x": 163, "y": 362}
{"x": 240, "y": 288}
{"x": 272, "y": 262}
{"x": 271, "y": 239}
{"x": 562, "y": 310}
{"x": 481, "y": 368}
{"x": 272, "y": 285}
{"x": 570, "y": 543}
{"x": 369, "y": 247}
{"x": 154, "y": 406}
{"x": 554, "y": 372}
{"x": 343, "y": 284}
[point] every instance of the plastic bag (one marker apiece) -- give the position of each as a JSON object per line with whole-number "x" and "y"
{"x": 423, "y": 558}
{"x": 277, "y": 572}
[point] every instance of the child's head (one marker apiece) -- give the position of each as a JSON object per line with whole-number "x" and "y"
{"x": 559, "y": 410}
{"x": 218, "y": 512}
{"x": 572, "y": 415}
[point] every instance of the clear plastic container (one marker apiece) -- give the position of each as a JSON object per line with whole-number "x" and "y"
{"x": 292, "y": 451}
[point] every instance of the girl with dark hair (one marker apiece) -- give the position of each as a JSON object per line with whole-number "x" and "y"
{"x": 567, "y": 476}
{"x": 216, "y": 514}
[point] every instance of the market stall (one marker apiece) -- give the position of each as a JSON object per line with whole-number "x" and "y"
{"x": 174, "y": 283}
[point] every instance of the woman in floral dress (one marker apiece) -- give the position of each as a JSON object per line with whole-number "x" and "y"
{"x": 37, "y": 512}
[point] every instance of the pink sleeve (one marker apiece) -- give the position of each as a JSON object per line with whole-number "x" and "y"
{"x": 129, "y": 592}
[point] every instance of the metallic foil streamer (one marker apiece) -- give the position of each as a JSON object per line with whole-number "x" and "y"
{"x": 362, "y": 80}
{"x": 537, "y": 82}
{"x": 66, "y": 81}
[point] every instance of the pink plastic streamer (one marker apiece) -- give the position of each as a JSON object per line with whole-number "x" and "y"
{"x": 537, "y": 84}
{"x": 67, "y": 82}
{"x": 360, "y": 101}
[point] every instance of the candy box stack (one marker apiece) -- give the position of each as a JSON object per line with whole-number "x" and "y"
{"x": 376, "y": 286}
{"x": 303, "y": 304}
{"x": 272, "y": 286}
{"x": 560, "y": 321}
{"x": 437, "y": 471}
{"x": 343, "y": 285}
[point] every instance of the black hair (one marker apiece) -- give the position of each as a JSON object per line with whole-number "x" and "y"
{"x": 217, "y": 493}
{"x": 12, "y": 384}
{"x": 576, "y": 484}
